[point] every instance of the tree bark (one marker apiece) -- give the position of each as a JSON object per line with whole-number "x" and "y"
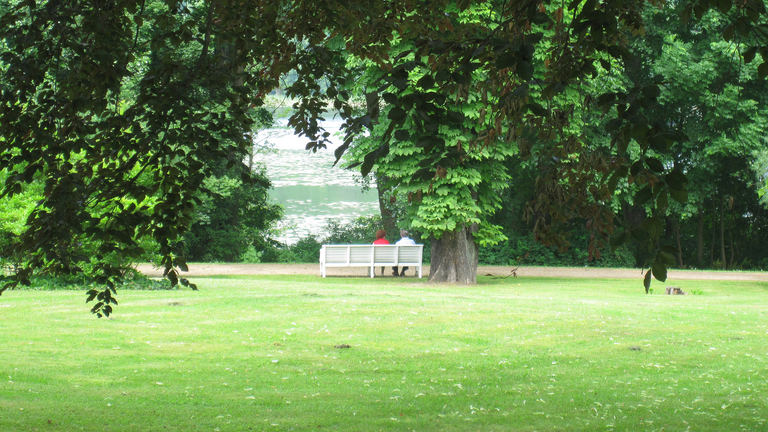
{"x": 730, "y": 234}
{"x": 722, "y": 233}
{"x": 700, "y": 239}
{"x": 714, "y": 228}
{"x": 455, "y": 257}
{"x": 679, "y": 246}
{"x": 733, "y": 249}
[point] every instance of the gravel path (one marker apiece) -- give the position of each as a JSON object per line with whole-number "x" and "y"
{"x": 202, "y": 270}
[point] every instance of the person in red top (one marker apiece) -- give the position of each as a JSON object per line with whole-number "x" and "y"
{"x": 380, "y": 237}
{"x": 380, "y": 240}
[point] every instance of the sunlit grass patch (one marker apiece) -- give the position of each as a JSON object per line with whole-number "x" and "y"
{"x": 261, "y": 353}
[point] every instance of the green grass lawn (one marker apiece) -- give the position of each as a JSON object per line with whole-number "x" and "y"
{"x": 258, "y": 353}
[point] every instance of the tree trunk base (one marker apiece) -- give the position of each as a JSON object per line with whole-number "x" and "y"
{"x": 455, "y": 257}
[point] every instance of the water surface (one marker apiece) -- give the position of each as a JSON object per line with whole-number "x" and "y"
{"x": 311, "y": 189}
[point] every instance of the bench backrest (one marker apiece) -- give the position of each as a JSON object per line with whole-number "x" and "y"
{"x": 368, "y": 254}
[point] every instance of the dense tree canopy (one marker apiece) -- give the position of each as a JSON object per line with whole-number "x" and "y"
{"x": 122, "y": 109}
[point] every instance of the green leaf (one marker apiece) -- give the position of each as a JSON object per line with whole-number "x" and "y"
{"x": 91, "y": 295}
{"x": 652, "y": 91}
{"x": 676, "y": 180}
{"x": 749, "y": 54}
{"x": 397, "y": 114}
{"x": 390, "y": 98}
{"x": 442, "y": 75}
{"x": 654, "y": 226}
{"x": 506, "y": 60}
{"x": 402, "y": 135}
{"x": 539, "y": 18}
{"x": 426, "y": 82}
{"x": 762, "y": 70}
{"x": 524, "y": 70}
{"x": 521, "y": 91}
{"x": 670, "y": 249}
{"x": 613, "y": 125}
{"x": 618, "y": 239}
{"x": 728, "y": 32}
{"x": 659, "y": 270}
{"x": 339, "y": 152}
{"x": 643, "y": 196}
{"x": 372, "y": 100}
{"x": 455, "y": 116}
{"x": 686, "y": 15}
{"x": 680, "y": 196}
{"x": 724, "y": 5}
{"x": 536, "y": 109}
{"x": 606, "y": 99}
{"x": 699, "y": 10}
{"x": 639, "y": 235}
{"x": 655, "y": 165}
{"x": 533, "y": 38}
{"x": 647, "y": 280}
{"x": 639, "y": 120}
{"x": 662, "y": 202}
{"x": 667, "y": 258}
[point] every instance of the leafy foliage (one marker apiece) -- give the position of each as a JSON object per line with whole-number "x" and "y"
{"x": 232, "y": 219}
{"x": 524, "y": 251}
{"x": 123, "y": 110}
{"x": 132, "y": 281}
{"x": 359, "y": 231}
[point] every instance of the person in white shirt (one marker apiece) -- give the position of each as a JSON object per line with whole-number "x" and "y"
{"x": 404, "y": 240}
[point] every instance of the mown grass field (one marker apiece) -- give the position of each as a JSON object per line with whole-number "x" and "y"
{"x": 515, "y": 354}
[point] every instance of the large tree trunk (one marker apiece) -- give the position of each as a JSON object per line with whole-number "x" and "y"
{"x": 454, "y": 257}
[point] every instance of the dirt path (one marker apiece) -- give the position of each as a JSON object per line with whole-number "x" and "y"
{"x": 201, "y": 270}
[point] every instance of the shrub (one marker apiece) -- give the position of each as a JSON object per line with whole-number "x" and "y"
{"x": 359, "y": 231}
{"x": 133, "y": 280}
{"x": 251, "y": 255}
{"x": 525, "y": 250}
{"x": 306, "y": 250}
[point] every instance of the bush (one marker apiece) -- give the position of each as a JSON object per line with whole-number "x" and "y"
{"x": 133, "y": 281}
{"x": 524, "y": 250}
{"x": 306, "y": 250}
{"x": 359, "y": 231}
{"x": 251, "y": 255}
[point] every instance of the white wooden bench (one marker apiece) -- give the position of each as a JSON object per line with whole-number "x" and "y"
{"x": 371, "y": 256}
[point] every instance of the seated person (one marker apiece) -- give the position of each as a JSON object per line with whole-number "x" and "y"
{"x": 380, "y": 240}
{"x": 404, "y": 240}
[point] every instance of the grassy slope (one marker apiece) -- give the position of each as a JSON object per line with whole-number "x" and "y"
{"x": 257, "y": 353}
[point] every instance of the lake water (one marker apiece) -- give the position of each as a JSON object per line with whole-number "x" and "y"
{"x": 307, "y": 184}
